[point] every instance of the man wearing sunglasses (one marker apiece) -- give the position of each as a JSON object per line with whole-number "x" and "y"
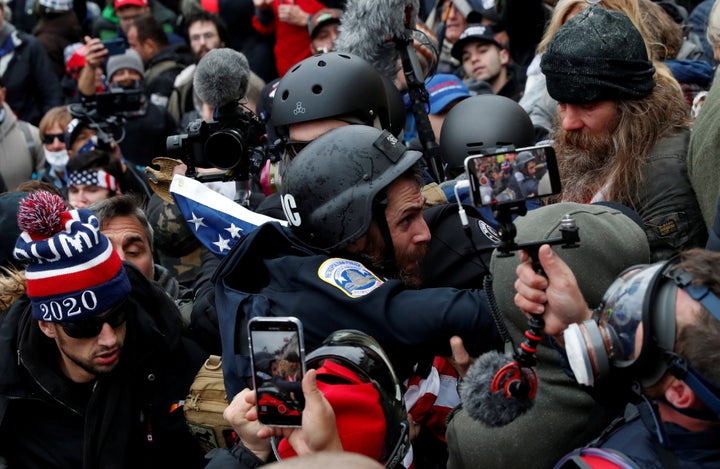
{"x": 94, "y": 365}
{"x": 658, "y": 326}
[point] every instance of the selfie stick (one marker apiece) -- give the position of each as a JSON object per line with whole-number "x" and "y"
{"x": 503, "y": 386}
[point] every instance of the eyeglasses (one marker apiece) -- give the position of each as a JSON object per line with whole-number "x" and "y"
{"x": 293, "y": 147}
{"x": 50, "y": 138}
{"x": 91, "y": 326}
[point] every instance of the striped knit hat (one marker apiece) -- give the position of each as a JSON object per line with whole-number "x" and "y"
{"x": 72, "y": 271}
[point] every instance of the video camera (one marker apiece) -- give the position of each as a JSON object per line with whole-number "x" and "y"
{"x": 234, "y": 143}
{"x": 106, "y": 112}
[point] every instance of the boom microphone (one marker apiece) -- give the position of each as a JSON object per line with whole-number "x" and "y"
{"x": 370, "y": 27}
{"x": 221, "y": 77}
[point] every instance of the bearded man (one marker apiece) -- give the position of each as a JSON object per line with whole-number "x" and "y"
{"x": 624, "y": 128}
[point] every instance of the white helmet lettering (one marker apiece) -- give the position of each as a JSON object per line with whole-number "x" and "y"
{"x": 290, "y": 209}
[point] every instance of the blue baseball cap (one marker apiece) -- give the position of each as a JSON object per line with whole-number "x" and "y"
{"x": 443, "y": 89}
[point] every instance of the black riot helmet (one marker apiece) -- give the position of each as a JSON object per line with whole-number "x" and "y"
{"x": 329, "y": 190}
{"x": 362, "y": 354}
{"x": 481, "y": 122}
{"x": 336, "y": 85}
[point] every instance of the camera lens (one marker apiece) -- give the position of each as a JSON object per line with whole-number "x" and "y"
{"x": 225, "y": 149}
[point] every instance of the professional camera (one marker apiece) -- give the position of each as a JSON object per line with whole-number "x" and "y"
{"x": 234, "y": 142}
{"x": 106, "y": 112}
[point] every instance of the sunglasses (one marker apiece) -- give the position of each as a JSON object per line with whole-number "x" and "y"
{"x": 50, "y": 138}
{"x": 293, "y": 147}
{"x": 91, "y": 327}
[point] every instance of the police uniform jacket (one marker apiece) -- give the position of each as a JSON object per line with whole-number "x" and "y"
{"x": 270, "y": 273}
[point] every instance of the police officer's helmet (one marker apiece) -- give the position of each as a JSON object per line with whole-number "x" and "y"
{"x": 336, "y": 84}
{"x": 480, "y": 123}
{"x": 329, "y": 190}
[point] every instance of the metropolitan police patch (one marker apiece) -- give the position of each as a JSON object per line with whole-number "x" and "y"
{"x": 351, "y": 277}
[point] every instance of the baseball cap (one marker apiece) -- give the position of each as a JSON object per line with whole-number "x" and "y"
{"x": 444, "y": 88}
{"x": 473, "y": 33}
{"x": 321, "y": 18}
{"x": 124, "y": 3}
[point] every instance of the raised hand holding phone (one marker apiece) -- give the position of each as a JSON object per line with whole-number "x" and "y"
{"x": 277, "y": 352}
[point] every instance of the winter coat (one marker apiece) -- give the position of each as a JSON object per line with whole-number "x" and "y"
{"x": 21, "y": 152}
{"x": 130, "y": 417}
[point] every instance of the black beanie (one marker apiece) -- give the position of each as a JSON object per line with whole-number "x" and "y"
{"x": 597, "y": 55}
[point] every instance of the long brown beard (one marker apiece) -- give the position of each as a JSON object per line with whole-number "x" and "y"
{"x": 584, "y": 162}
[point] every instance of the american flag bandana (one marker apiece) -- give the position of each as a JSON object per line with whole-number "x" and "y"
{"x": 93, "y": 177}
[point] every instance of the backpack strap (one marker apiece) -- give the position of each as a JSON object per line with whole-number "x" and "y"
{"x": 25, "y": 128}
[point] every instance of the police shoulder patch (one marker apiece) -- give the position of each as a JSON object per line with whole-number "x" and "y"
{"x": 350, "y": 277}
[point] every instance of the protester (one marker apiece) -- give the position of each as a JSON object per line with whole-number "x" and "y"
{"x": 32, "y": 85}
{"x": 101, "y": 360}
{"x": 323, "y": 27}
{"x": 52, "y": 133}
{"x": 93, "y": 176}
{"x": 670, "y": 315}
{"x": 702, "y": 166}
{"x": 288, "y": 22}
{"x": 353, "y": 403}
{"x": 624, "y": 131}
{"x": 21, "y": 154}
{"x": 163, "y": 61}
{"x": 146, "y": 127}
{"x": 485, "y": 62}
{"x": 562, "y": 416}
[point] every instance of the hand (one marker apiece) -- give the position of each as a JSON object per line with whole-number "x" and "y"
{"x": 319, "y": 429}
{"x": 293, "y": 14}
{"x": 95, "y": 52}
{"x": 460, "y": 359}
{"x": 557, "y": 297}
{"x": 238, "y": 414}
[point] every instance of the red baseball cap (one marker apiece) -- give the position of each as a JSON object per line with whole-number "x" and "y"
{"x": 125, "y": 3}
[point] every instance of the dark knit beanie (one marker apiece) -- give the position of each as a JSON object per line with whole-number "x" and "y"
{"x": 597, "y": 55}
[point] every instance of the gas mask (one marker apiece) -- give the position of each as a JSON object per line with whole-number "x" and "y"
{"x": 633, "y": 331}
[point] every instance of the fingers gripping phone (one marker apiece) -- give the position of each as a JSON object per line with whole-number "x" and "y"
{"x": 277, "y": 354}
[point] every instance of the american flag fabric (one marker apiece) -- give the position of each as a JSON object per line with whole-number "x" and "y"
{"x": 218, "y": 221}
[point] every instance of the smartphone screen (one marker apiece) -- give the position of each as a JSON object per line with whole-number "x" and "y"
{"x": 278, "y": 365}
{"x": 511, "y": 176}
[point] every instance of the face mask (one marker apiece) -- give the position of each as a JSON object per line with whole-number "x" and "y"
{"x": 57, "y": 159}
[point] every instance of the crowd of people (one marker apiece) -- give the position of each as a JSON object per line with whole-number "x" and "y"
{"x": 447, "y": 320}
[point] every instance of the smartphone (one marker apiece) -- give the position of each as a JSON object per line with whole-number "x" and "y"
{"x": 277, "y": 353}
{"x": 115, "y": 46}
{"x": 512, "y": 175}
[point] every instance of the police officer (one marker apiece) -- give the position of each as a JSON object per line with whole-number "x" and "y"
{"x": 352, "y": 198}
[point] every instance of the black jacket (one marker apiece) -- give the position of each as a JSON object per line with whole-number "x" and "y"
{"x": 125, "y": 419}
{"x": 666, "y": 201}
{"x": 32, "y": 85}
{"x": 269, "y": 273}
